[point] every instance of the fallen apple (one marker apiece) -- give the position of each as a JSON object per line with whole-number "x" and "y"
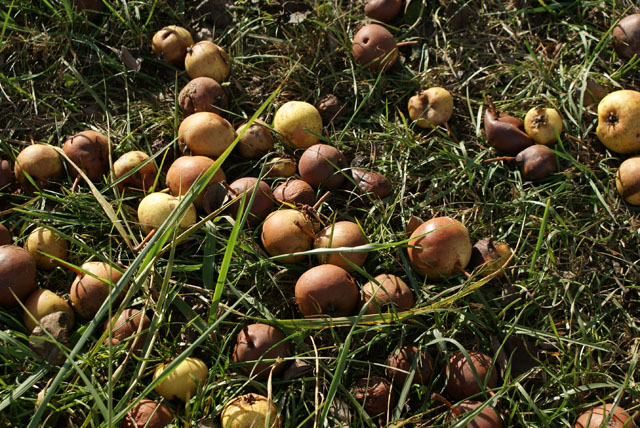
{"x": 628, "y": 180}
{"x": 143, "y": 178}
{"x": 342, "y": 234}
{"x": 148, "y": 414}
{"x": 43, "y": 240}
{"x": 205, "y": 134}
{"x": 626, "y": 36}
{"x": 326, "y": 290}
{"x": 543, "y": 125}
{"x": 388, "y": 292}
{"x": 298, "y": 123}
{"x": 43, "y": 302}
{"x": 594, "y": 417}
{"x": 461, "y": 379}
{"x": 618, "y": 125}
{"x": 90, "y": 290}
{"x": 374, "y": 48}
{"x": 382, "y": 10}
{"x": 172, "y": 43}
{"x": 250, "y": 411}
{"x": 184, "y": 381}
{"x": 156, "y": 207}
{"x": 206, "y": 59}
{"x": 287, "y": 231}
{"x": 256, "y": 142}
{"x": 261, "y": 342}
{"x": 41, "y": 162}
{"x": 17, "y": 275}
{"x": 431, "y": 107}
{"x": 90, "y": 151}
{"x": 202, "y": 94}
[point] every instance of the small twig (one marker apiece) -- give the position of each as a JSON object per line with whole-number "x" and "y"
{"x": 451, "y": 134}
{"x": 439, "y": 398}
{"x": 500, "y": 158}
{"x": 145, "y": 240}
{"x": 304, "y": 230}
{"x": 75, "y": 184}
{"x": 321, "y": 201}
{"x": 409, "y": 43}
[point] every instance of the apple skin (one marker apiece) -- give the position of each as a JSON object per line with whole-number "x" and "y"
{"x": 382, "y": 10}
{"x": 628, "y": 180}
{"x": 280, "y": 235}
{"x": 432, "y": 107}
{"x": 543, "y": 125}
{"x": 626, "y": 36}
{"x": 41, "y": 162}
{"x": 445, "y": 249}
{"x": 281, "y": 167}
{"x": 401, "y": 360}
{"x": 261, "y": 341}
{"x": 461, "y": 382}
{"x": 172, "y": 42}
{"x": 326, "y": 290}
{"x": 87, "y": 293}
{"x": 374, "y": 48}
{"x": 206, "y": 59}
{"x": 388, "y": 290}
{"x": 594, "y": 418}
{"x": 17, "y": 274}
{"x": 256, "y": 142}
{"x": 342, "y": 234}
{"x": 90, "y": 151}
{"x": 618, "y": 125}
{"x": 156, "y": 207}
{"x": 250, "y": 410}
{"x": 298, "y": 123}
{"x": 487, "y": 418}
{"x": 185, "y": 170}
{"x": 141, "y": 179}
{"x": 149, "y": 414}
{"x": 47, "y": 241}
{"x": 205, "y": 134}
{"x": 180, "y": 383}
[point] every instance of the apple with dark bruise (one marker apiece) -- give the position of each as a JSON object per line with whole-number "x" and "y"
{"x": 260, "y": 342}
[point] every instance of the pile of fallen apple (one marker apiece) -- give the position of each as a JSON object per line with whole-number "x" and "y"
{"x": 290, "y": 225}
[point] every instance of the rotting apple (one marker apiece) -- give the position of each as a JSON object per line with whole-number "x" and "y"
{"x": 148, "y": 414}
{"x": 261, "y": 342}
{"x": 127, "y": 325}
{"x": 321, "y": 165}
{"x": 295, "y": 192}
{"x": 205, "y": 134}
{"x": 461, "y": 380}
{"x": 431, "y": 107}
{"x": 375, "y": 394}
{"x": 43, "y": 240}
{"x": 17, "y": 275}
{"x": 626, "y": 36}
{"x": 43, "y": 302}
{"x": 371, "y": 182}
{"x": 536, "y": 162}
{"x": 172, "y": 43}
{"x": 489, "y": 256}
{"x": 374, "y": 48}
{"x": 184, "y": 381}
{"x": 256, "y": 141}
{"x": 90, "y": 151}
{"x": 202, "y": 94}
{"x": 250, "y": 410}
{"x": 487, "y": 418}
{"x": 505, "y": 132}
{"x": 263, "y": 202}
{"x": 399, "y": 364}
{"x": 90, "y": 290}
{"x": 298, "y": 123}
{"x": 387, "y": 291}
{"x": 543, "y": 125}
{"x": 618, "y": 125}
{"x": 207, "y": 59}
{"x": 440, "y": 246}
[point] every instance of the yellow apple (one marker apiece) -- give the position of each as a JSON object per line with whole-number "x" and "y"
{"x": 628, "y": 180}
{"x": 543, "y": 125}
{"x": 206, "y": 59}
{"x": 183, "y": 382}
{"x": 432, "y": 107}
{"x": 156, "y": 207}
{"x": 618, "y": 123}
{"x": 205, "y": 134}
{"x": 250, "y": 410}
{"x": 297, "y": 122}
{"x": 172, "y": 42}
{"x": 43, "y": 302}
{"x": 49, "y": 242}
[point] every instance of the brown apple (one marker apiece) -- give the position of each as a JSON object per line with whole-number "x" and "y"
{"x": 326, "y": 290}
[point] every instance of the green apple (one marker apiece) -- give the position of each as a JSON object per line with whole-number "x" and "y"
{"x": 618, "y": 124}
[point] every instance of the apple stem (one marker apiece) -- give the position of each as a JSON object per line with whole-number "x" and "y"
{"x": 145, "y": 240}
{"x": 230, "y": 189}
{"x": 64, "y": 264}
{"x": 75, "y": 184}
{"x": 409, "y": 43}
{"x": 439, "y": 398}
{"x": 321, "y": 201}
{"x": 492, "y": 106}
{"x": 500, "y": 158}
{"x": 304, "y": 230}
{"x": 464, "y": 272}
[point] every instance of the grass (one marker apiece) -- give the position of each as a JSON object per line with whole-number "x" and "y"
{"x": 562, "y": 324}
